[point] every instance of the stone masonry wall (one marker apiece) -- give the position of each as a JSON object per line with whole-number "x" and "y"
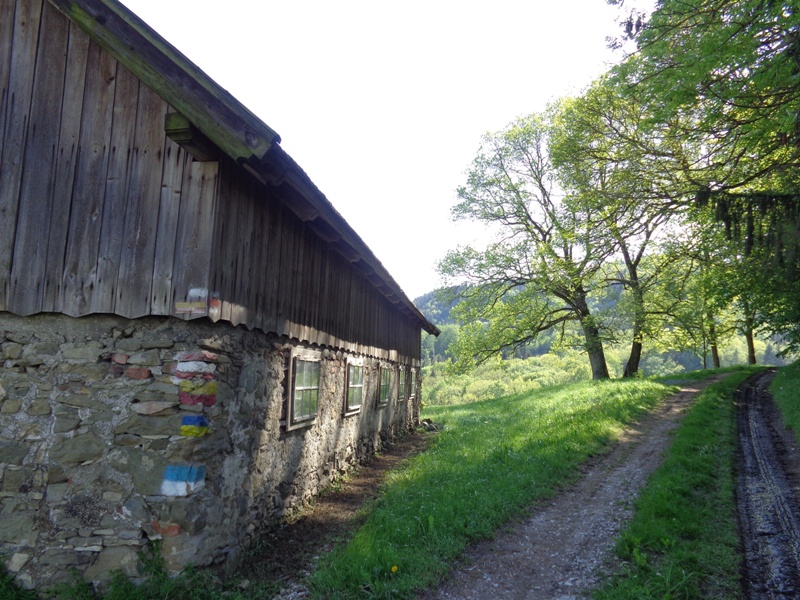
{"x": 117, "y": 432}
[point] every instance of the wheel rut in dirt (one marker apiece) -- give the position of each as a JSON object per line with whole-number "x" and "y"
{"x": 769, "y": 519}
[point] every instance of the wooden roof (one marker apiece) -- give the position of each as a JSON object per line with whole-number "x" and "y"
{"x": 229, "y": 127}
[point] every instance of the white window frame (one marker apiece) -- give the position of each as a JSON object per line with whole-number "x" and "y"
{"x": 298, "y": 361}
{"x": 402, "y": 383}
{"x": 381, "y": 398}
{"x": 353, "y": 363}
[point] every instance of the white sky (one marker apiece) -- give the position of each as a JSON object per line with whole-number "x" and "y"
{"x": 383, "y": 103}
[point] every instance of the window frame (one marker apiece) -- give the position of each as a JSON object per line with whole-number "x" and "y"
{"x": 402, "y": 383}
{"x": 380, "y": 400}
{"x": 412, "y": 392}
{"x": 354, "y": 363}
{"x": 291, "y": 369}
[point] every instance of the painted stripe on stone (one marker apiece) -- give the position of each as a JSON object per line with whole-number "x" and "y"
{"x": 182, "y": 480}
{"x": 195, "y": 366}
{"x": 194, "y": 426}
{"x": 199, "y": 355}
{"x": 202, "y": 392}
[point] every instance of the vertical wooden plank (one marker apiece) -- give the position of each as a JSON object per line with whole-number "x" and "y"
{"x": 298, "y": 280}
{"x": 135, "y": 275}
{"x": 87, "y": 201}
{"x": 218, "y": 255}
{"x": 230, "y": 242}
{"x": 28, "y": 271}
{"x": 325, "y": 286}
{"x": 272, "y": 265}
{"x": 7, "y": 9}
{"x": 260, "y": 249}
{"x": 259, "y": 274}
{"x": 288, "y": 267}
{"x": 193, "y": 245}
{"x": 115, "y": 196}
{"x": 349, "y": 298}
{"x": 372, "y": 324}
{"x": 245, "y": 234}
{"x": 304, "y": 284}
{"x": 285, "y": 274}
{"x": 335, "y": 308}
{"x": 317, "y": 283}
{"x": 176, "y": 163}
{"x": 232, "y": 247}
{"x": 66, "y": 159}
{"x": 24, "y": 41}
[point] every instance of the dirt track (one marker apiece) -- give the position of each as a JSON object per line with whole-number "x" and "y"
{"x": 766, "y": 495}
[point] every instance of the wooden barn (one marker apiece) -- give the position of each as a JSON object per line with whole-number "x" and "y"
{"x": 193, "y": 341}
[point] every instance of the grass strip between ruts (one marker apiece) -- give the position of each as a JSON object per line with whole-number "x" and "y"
{"x": 785, "y": 390}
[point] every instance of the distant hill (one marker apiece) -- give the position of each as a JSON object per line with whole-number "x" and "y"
{"x": 435, "y": 307}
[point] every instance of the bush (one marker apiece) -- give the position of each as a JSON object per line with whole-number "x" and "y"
{"x": 503, "y": 378}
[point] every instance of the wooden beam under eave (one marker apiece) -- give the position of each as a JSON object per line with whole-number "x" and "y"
{"x": 364, "y": 267}
{"x": 377, "y": 281}
{"x": 295, "y": 201}
{"x": 181, "y": 131}
{"x": 325, "y": 230}
{"x": 349, "y": 253}
{"x": 223, "y": 119}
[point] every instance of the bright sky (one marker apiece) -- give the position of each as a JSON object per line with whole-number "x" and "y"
{"x": 383, "y": 103}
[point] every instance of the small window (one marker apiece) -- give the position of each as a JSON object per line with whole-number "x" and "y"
{"x": 302, "y": 389}
{"x": 413, "y": 390}
{"x": 385, "y": 390}
{"x": 402, "y": 390}
{"x": 354, "y": 387}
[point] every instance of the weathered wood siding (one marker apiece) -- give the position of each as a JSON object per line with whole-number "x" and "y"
{"x": 93, "y": 196}
{"x": 270, "y": 270}
{"x": 100, "y": 212}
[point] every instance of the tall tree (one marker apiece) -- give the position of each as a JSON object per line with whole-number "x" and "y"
{"x": 624, "y": 174}
{"x": 539, "y": 269}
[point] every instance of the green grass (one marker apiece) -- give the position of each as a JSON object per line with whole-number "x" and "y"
{"x": 492, "y": 459}
{"x": 785, "y": 390}
{"x": 699, "y": 375}
{"x": 683, "y": 540}
{"x": 10, "y": 591}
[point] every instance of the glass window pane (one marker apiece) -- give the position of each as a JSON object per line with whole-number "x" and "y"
{"x": 298, "y": 404}
{"x": 315, "y": 374}
{"x": 306, "y": 374}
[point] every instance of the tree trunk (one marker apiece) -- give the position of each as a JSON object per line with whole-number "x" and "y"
{"x": 635, "y": 357}
{"x": 594, "y": 348}
{"x": 748, "y": 333}
{"x": 748, "y": 336}
{"x": 591, "y": 333}
{"x": 715, "y": 363}
{"x": 712, "y": 339}
{"x": 632, "y": 366}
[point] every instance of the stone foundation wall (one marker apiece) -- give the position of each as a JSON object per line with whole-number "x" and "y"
{"x": 116, "y": 432}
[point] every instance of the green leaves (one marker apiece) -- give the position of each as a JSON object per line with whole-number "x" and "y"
{"x": 728, "y": 70}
